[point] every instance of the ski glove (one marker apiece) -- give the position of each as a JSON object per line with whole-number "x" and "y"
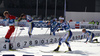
{"x": 58, "y": 30}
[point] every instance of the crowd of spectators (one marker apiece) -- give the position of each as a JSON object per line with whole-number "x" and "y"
{"x": 1, "y": 17}
{"x": 94, "y": 22}
{"x": 40, "y": 18}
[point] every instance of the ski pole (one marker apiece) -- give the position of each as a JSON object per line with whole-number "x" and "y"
{"x": 53, "y": 31}
{"x": 19, "y": 33}
{"x": 79, "y": 41}
{"x": 15, "y": 34}
{"x": 12, "y": 35}
{"x": 47, "y": 31}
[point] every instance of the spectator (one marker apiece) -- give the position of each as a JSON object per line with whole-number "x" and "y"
{"x": 1, "y": 17}
{"x": 83, "y": 20}
{"x": 70, "y": 20}
{"x": 39, "y": 18}
{"x": 93, "y": 22}
{"x": 97, "y": 22}
{"x": 52, "y": 17}
{"x": 55, "y": 19}
{"x": 48, "y": 18}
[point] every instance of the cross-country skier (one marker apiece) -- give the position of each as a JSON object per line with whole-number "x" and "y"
{"x": 53, "y": 26}
{"x": 89, "y": 36}
{"x": 11, "y": 21}
{"x": 29, "y": 20}
{"x": 64, "y": 26}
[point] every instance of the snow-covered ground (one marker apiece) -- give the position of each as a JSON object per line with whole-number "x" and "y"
{"x": 79, "y": 48}
{"x": 36, "y": 31}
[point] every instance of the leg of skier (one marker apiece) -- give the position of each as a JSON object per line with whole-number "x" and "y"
{"x": 91, "y": 39}
{"x": 68, "y": 39}
{"x": 65, "y": 39}
{"x": 96, "y": 40}
{"x": 60, "y": 42}
{"x": 30, "y": 29}
{"x": 9, "y": 33}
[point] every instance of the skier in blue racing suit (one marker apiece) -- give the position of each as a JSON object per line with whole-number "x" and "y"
{"x": 66, "y": 38}
{"x": 89, "y": 36}
{"x": 53, "y": 26}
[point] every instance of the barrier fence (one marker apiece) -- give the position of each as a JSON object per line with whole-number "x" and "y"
{"x": 73, "y": 25}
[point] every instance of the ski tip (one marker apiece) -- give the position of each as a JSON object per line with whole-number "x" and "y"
{"x": 66, "y": 51}
{"x": 13, "y": 50}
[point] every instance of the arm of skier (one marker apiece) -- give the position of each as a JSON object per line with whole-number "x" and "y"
{"x": 82, "y": 34}
{"x": 88, "y": 34}
{"x": 19, "y": 19}
{"x": 86, "y": 40}
{"x": 67, "y": 26}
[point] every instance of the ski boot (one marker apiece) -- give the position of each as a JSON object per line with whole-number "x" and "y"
{"x": 69, "y": 49}
{"x": 96, "y": 40}
{"x": 57, "y": 49}
{"x": 7, "y": 40}
{"x": 30, "y": 35}
{"x": 51, "y": 33}
{"x": 54, "y": 33}
{"x": 10, "y": 46}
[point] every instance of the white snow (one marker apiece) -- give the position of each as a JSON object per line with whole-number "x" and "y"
{"x": 79, "y": 48}
{"x": 36, "y": 31}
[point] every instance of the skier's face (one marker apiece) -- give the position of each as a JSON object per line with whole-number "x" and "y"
{"x": 83, "y": 31}
{"x": 24, "y": 17}
{"x": 7, "y": 15}
{"x": 61, "y": 21}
